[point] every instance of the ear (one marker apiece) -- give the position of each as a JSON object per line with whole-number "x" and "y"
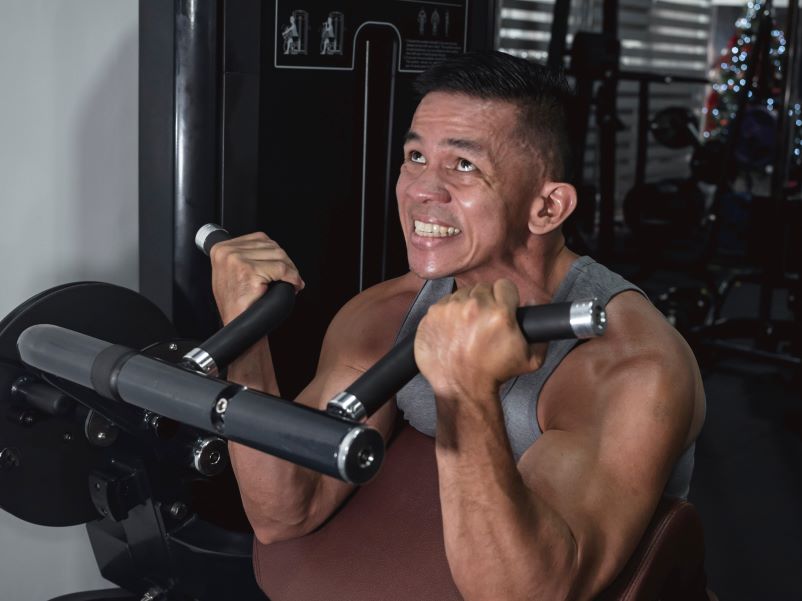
{"x": 553, "y": 205}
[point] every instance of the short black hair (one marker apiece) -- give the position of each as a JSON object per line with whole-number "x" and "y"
{"x": 543, "y": 96}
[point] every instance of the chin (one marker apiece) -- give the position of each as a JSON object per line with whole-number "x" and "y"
{"x": 430, "y": 270}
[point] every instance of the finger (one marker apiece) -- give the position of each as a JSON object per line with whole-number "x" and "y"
{"x": 283, "y": 271}
{"x": 482, "y": 293}
{"x": 252, "y": 237}
{"x": 266, "y": 264}
{"x": 536, "y": 354}
{"x": 249, "y": 244}
{"x": 506, "y": 292}
{"x": 264, "y": 253}
{"x": 229, "y": 247}
{"x": 460, "y": 294}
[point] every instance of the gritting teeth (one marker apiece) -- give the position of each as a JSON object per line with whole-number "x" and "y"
{"x": 433, "y": 230}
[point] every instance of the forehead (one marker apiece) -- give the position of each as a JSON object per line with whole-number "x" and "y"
{"x": 447, "y": 115}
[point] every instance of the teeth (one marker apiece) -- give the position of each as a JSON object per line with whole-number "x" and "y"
{"x": 432, "y": 230}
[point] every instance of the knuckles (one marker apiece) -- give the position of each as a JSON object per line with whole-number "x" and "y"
{"x": 247, "y": 262}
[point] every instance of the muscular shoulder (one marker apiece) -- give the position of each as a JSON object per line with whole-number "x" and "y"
{"x": 366, "y": 326}
{"x": 641, "y": 364}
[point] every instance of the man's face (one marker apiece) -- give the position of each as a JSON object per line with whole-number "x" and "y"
{"x": 466, "y": 185}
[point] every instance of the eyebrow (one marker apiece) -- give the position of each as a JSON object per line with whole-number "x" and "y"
{"x": 472, "y": 145}
{"x": 411, "y": 136}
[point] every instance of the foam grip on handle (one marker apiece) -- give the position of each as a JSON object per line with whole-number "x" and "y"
{"x": 386, "y": 377}
{"x": 306, "y": 436}
{"x": 562, "y": 321}
{"x": 258, "y": 320}
{"x": 542, "y": 323}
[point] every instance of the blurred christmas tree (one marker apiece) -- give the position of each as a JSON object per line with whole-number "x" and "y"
{"x": 763, "y": 92}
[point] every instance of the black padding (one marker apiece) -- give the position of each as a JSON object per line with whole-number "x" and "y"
{"x": 106, "y": 367}
{"x": 543, "y": 323}
{"x": 219, "y": 235}
{"x": 387, "y": 376}
{"x": 258, "y": 320}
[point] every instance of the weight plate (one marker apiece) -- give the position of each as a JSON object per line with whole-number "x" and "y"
{"x": 50, "y": 484}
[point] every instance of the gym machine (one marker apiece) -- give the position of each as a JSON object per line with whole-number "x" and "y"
{"x": 304, "y": 144}
{"x": 764, "y": 337}
{"x": 114, "y": 422}
{"x": 595, "y": 57}
{"x": 677, "y": 214}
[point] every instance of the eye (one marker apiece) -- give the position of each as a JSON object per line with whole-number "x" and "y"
{"x": 416, "y": 157}
{"x": 465, "y": 165}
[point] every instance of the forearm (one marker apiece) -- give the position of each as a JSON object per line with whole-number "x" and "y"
{"x": 276, "y": 494}
{"x": 254, "y": 369}
{"x": 502, "y": 540}
{"x": 279, "y": 497}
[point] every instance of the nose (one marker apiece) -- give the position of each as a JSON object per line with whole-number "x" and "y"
{"x": 426, "y": 186}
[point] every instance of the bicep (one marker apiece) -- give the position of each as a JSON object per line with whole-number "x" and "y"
{"x": 604, "y": 476}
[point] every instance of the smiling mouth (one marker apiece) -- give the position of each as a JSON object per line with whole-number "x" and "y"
{"x": 432, "y": 230}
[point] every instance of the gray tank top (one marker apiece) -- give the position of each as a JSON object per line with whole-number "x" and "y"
{"x": 585, "y": 279}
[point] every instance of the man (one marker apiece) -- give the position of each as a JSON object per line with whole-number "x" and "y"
{"x": 543, "y": 497}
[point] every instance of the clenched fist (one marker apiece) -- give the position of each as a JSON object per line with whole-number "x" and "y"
{"x": 469, "y": 343}
{"x": 243, "y": 267}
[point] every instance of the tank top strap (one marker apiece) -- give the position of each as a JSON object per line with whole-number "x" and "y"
{"x": 431, "y": 292}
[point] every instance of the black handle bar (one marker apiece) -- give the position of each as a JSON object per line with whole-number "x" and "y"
{"x": 315, "y": 439}
{"x": 541, "y": 323}
{"x": 261, "y": 318}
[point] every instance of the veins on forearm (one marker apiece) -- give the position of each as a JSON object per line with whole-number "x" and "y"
{"x": 501, "y": 538}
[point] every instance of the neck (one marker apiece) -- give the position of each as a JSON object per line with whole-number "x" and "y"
{"x": 536, "y": 269}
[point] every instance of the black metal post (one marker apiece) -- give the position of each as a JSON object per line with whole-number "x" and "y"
{"x": 559, "y": 30}
{"x": 774, "y": 263}
{"x": 241, "y": 58}
{"x": 179, "y": 151}
{"x": 643, "y": 132}
{"x": 608, "y": 124}
{"x": 196, "y": 166}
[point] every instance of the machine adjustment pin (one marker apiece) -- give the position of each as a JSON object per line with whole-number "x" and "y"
{"x": 153, "y": 594}
{"x": 9, "y": 459}
{"x": 178, "y": 510}
{"x": 27, "y": 419}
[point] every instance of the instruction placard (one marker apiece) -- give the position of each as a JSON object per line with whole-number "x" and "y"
{"x": 310, "y": 34}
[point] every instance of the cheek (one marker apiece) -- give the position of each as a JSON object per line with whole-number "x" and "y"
{"x": 402, "y": 183}
{"x": 400, "y": 187}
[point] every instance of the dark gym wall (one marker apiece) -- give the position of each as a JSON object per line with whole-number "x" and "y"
{"x": 299, "y": 136}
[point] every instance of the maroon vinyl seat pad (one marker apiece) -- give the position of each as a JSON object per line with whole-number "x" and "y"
{"x": 386, "y": 544}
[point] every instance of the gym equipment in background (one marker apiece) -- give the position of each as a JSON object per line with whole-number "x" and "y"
{"x": 764, "y": 337}
{"x": 158, "y": 498}
{"x": 303, "y": 141}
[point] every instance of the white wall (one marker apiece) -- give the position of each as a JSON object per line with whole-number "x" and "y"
{"x": 68, "y": 205}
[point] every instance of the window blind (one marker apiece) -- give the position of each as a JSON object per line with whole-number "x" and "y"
{"x": 659, "y": 36}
